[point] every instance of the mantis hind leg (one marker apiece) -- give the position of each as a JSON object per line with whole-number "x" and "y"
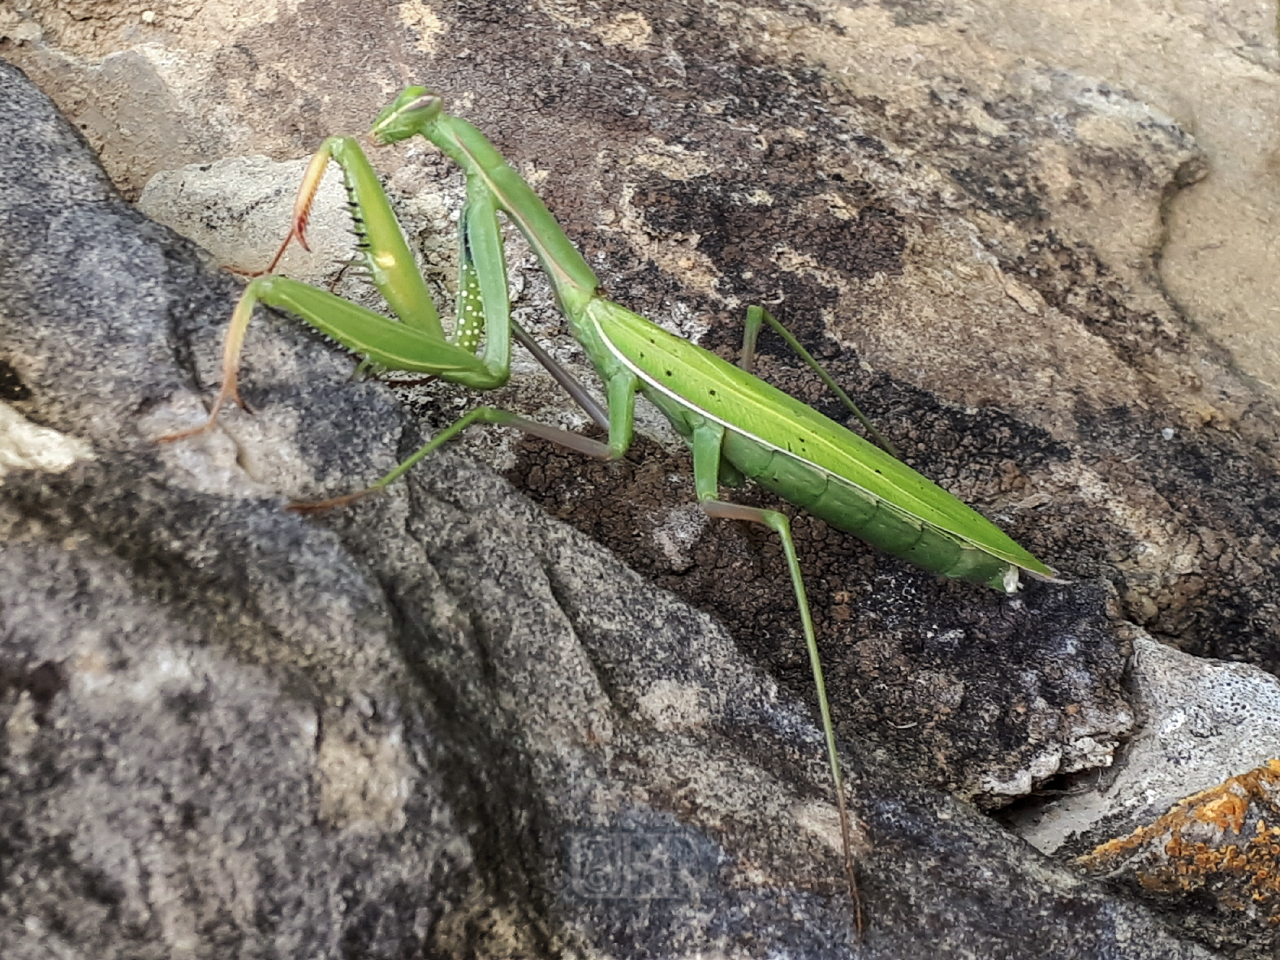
{"x": 751, "y": 330}
{"x": 778, "y": 523}
{"x": 707, "y": 441}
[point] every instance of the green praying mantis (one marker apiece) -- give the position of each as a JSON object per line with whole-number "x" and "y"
{"x": 737, "y": 426}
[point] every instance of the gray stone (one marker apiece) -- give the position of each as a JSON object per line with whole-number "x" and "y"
{"x": 1202, "y": 722}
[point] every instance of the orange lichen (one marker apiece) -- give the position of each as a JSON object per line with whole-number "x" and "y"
{"x": 1227, "y": 811}
{"x": 1219, "y": 842}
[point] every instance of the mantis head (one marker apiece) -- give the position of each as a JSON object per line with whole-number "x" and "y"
{"x": 410, "y": 113}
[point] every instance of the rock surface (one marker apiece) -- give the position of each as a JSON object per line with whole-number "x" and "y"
{"x": 979, "y": 241}
{"x": 418, "y": 722}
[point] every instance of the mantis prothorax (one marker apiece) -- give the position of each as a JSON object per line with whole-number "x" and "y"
{"x": 737, "y": 426}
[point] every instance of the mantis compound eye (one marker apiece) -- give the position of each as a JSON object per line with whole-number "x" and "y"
{"x": 429, "y": 102}
{"x": 413, "y": 110}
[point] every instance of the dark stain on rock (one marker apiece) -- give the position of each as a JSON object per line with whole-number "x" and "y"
{"x": 42, "y": 683}
{"x": 1074, "y": 279}
{"x": 12, "y": 388}
{"x": 733, "y": 229}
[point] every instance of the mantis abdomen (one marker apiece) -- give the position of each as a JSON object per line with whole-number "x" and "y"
{"x": 811, "y": 460}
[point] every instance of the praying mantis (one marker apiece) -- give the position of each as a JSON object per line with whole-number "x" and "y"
{"x": 737, "y": 426}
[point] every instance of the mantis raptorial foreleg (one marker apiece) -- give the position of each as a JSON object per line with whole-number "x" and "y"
{"x": 416, "y": 342}
{"x": 738, "y": 426}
